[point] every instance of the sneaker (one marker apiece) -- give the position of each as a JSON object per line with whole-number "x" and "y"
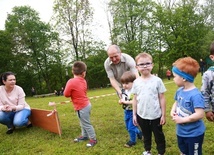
{"x": 10, "y": 131}
{"x": 80, "y": 139}
{"x": 146, "y": 153}
{"x": 129, "y": 144}
{"x": 140, "y": 136}
{"x": 30, "y": 125}
{"x": 91, "y": 143}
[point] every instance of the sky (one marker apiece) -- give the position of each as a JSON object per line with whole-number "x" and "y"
{"x": 44, "y": 8}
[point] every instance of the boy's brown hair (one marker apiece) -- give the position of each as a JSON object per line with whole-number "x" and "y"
{"x": 78, "y": 68}
{"x": 187, "y": 65}
{"x": 127, "y": 77}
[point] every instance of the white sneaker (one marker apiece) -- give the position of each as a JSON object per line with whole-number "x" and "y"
{"x": 91, "y": 143}
{"x": 146, "y": 153}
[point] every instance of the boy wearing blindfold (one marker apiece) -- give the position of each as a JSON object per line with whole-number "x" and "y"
{"x": 188, "y": 110}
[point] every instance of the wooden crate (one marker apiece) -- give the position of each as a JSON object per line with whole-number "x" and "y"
{"x": 46, "y": 119}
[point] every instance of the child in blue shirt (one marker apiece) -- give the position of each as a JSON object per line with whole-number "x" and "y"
{"x": 188, "y": 110}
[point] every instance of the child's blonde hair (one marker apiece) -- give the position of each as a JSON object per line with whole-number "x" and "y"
{"x": 143, "y": 55}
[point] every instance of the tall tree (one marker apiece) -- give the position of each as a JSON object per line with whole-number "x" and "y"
{"x": 208, "y": 11}
{"x": 130, "y": 24}
{"x": 181, "y": 29}
{"x": 73, "y": 18}
{"x": 35, "y": 47}
{"x": 6, "y": 56}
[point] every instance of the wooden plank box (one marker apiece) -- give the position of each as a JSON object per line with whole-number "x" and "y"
{"x": 46, "y": 119}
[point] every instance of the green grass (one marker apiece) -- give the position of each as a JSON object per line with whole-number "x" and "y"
{"x": 107, "y": 119}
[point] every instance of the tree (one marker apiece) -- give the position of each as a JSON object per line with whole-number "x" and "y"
{"x": 130, "y": 24}
{"x": 182, "y": 29}
{"x": 208, "y": 12}
{"x": 96, "y": 74}
{"x": 167, "y": 31}
{"x": 6, "y": 56}
{"x": 73, "y": 18}
{"x": 35, "y": 48}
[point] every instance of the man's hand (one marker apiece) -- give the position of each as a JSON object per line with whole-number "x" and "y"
{"x": 122, "y": 101}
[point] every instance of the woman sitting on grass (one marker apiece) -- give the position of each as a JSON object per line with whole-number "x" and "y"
{"x": 14, "y": 111}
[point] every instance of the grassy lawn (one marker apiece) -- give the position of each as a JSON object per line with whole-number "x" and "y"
{"x": 107, "y": 118}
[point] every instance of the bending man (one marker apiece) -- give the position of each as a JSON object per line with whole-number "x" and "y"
{"x": 116, "y": 64}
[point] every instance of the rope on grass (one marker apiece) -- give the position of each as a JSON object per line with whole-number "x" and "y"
{"x": 168, "y": 82}
{"x": 96, "y": 97}
{"x": 93, "y": 97}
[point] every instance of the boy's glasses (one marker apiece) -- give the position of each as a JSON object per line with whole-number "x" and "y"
{"x": 145, "y": 64}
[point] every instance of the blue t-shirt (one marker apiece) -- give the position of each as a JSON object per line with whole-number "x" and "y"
{"x": 187, "y": 101}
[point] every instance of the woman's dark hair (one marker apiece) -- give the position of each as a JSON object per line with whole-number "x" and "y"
{"x": 4, "y": 77}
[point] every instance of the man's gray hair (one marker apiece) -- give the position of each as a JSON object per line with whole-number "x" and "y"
{"x": 116, "y": 47}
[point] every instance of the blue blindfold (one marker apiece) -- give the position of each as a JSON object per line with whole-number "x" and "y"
{"x": 186, "y": 76}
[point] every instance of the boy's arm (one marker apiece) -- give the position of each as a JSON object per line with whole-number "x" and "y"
{"x": 67, "y": 91}
{"x": 134, "y": 108}
{"x": 173, "y": 110}
{"x": 206, "y": 90}
{"x": 197, "y": 102}
{"x": 126, "y": 102}
{"x": 134, "y": 105}
{"x": 163, "y": 108}
{"x": 199, "y": 114}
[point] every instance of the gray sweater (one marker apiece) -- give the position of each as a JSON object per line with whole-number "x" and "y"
{"x": 207, "y": 89}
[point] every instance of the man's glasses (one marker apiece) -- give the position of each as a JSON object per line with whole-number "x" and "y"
{"x": 145, "y": 64}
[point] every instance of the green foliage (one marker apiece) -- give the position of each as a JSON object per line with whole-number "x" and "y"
{"x": 107, "y": 118}
{"x": 96, "y": 76}
{"x": 167, "y": 31}
{"x": 34, "y": 51}
{"x": 130, "y": 26}
{"x": 181, "y": 30}
{"x": 37, "y": 58}
{"x": 72, "y": 18}
{"x": 6, "y": 56}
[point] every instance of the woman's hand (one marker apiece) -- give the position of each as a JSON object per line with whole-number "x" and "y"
{"x": 7, "y": 108}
